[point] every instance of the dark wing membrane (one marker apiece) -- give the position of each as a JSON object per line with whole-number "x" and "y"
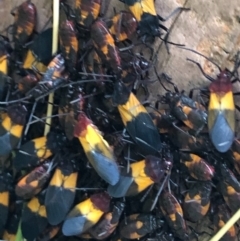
{"x": 42, "y": 46}
{"x": 58, "y": 202}
{"x": 3, "y": 216}
{"x": 221, "y": 134}
{"x": 74, "y": 225}
{"x": 107, "y": 169}
{"x": 5, "y": 144}
{"x": 145, "y": 134}
{"x": 26, "y": 156}
{"x": 32, "y": 224}
{"x": 121, "y": 188}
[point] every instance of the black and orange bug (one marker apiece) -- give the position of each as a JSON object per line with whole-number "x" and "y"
{"x": 37, "y": 57}
{"x": 105, "y": 46}
{"x": 86, "y": 214}
{"x": 221, "y": 107}
{"x": 24, "y": 23}
{"x": 162, "y": 120}
{"x": 5, "y": 51}
{"x": 97, "y": 150}
{"x": 49, "y": 233}
{"x": 221, "y": 217}
{"x": 197, "y": 201}
{"x": 51, "y": 79}
{"x": 27, "y": 81}
{"x": 141, "y": 175}
{"x": 221, "y": 112}
{"x": 235, "y": 154}
{"x": 86, "y": 12}
{"x": 10, "y": 231}
{"x": 61, "y": 191}
{"x": 33, "y": 182}
{"x": 138, "y": 225}
{"x": 190, "y": 112}
{"x": 145, "y": 13}
{"x": 198, "y": 168}
{"x": 180, "y": 136}
{"x": 38, "y": 150}
{"x": 34, "y": 213}
{"x": 116, "y": 141}
{"x": 35, "y": 61}
{"x": 122, "y": 26}
{"x": 135, "y": 70}
{"x": 5, "y": 188}
{"x": 68, "y": 111}
{"x": 11, "y": 128}
{"x": 148, "y": 20}
{"x": 94, "y": 65}
{"x": 229, "y": 187}
{"x": 69, "y": 44}
{"x": 136, "y": 120}
{"x": 173, "y": 214}
{"x": 108, "y": 223}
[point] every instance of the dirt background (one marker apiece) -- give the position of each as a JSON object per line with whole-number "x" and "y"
{"x": 211, "y": 27}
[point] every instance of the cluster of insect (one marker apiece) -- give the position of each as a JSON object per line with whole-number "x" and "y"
{"x": 111, "y": 167}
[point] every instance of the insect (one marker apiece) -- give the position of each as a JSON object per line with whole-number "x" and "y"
{"x": 197, "y": 201}
{"x": 136, "y": 120}
{"x": 230, "y": 188}
{"x": 135, "y": 71}
{"x": 86, "y": 12}
{"x": 190, "y": 112}
{"x": 37, "y": 150}
{"x": 38, "y": 57}
{"x": 27, "y": 81}
{"x": 24, "y": 23}
{"x": 235, "y": 154}
{"x": 105, "y": 46}
{"x": 221, "y": 113}
{"x": 146, "y": 15}
{"x": 5, "y": 188}
{"x": 141, "y": 175}
{"x": 108, "y": 223}
{"x": 32, "y": 183}
{"x": 97, "y": 150}
{"x": 51, "y": 79}
{"x": 138, "y": 225}
{"x": 162, "y": 120}
{"x": 11, "y": 128}
{"x": 173, "y": 214}
{"x": 148, "y": 20}
{"x": 180, "y": 136}
{"x": 122, "y": 26}
{"x": 5, "y": 51}
{"x": 35, "y": 61}
{"x": 85, "y": 214}
{"x": 69, "y": 44}
{"x": 69, "y": 121}
{"x": 11, "y": 228}
{"x": 221, "y": 217}
{"x": 60, "y": 192}
{"x": 197, "y": 167}
{"x": 221, "y": 108}
{"x": 34, "y": 213}
{"x": 49, "y": 233}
